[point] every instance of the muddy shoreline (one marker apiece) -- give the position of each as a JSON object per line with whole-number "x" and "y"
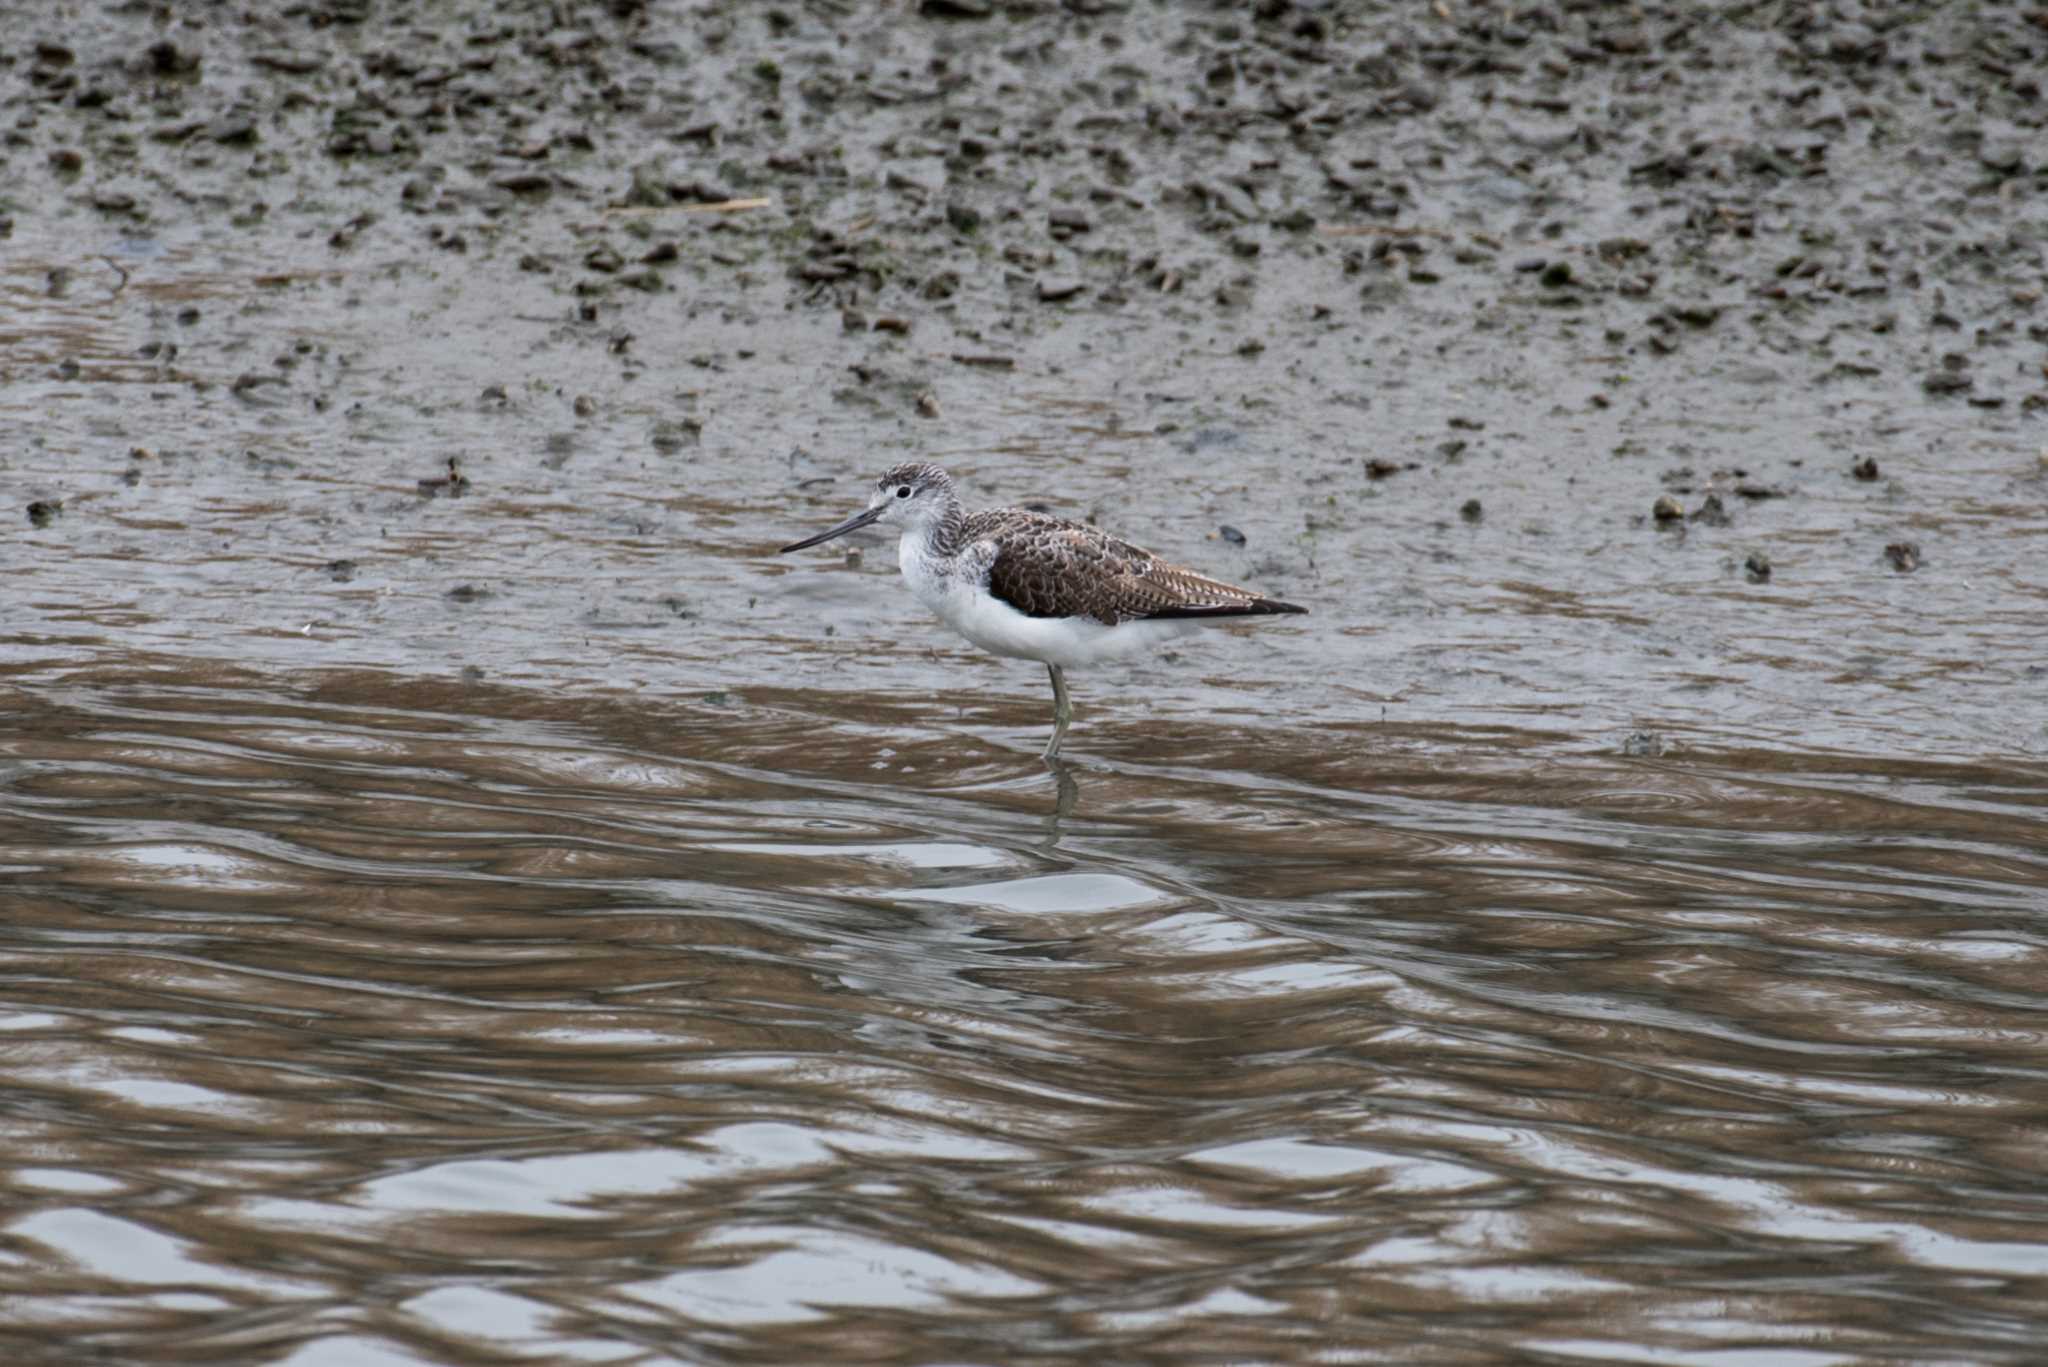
{"x": 1431, "y": 309}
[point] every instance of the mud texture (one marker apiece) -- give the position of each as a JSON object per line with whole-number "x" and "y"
{"x": 1409, "y": 313}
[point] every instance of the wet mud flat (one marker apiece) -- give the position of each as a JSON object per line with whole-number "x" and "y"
{"x": 1630, "y": 370}
{"x": 467, "y": 898}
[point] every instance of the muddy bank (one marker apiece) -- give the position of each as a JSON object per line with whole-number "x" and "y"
{"x": 1432, "y": 308}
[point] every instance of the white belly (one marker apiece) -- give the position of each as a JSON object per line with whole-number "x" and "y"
{"x": 1069, "y": 642}
{"x": 1000, "y": 629}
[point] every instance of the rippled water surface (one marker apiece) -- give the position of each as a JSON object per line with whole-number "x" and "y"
{"x": 374, "y": 1020}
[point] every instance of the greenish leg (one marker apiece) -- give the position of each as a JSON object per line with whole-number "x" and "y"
{"x": 1062, "y": 710}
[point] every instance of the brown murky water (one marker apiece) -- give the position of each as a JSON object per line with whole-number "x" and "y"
{"x": 378, "y": 1020}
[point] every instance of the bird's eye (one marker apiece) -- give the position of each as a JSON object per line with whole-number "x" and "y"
{"x": 903, "y": 491}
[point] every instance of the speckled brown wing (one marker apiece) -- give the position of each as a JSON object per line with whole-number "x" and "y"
{"x": 1046, "y": 567}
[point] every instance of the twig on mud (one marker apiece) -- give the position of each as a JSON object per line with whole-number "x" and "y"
{"x": 723, "y": 206}
{"x": 1381, "y": 229}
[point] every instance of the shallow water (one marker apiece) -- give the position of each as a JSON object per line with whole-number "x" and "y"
{"x": 382, "y": 1020}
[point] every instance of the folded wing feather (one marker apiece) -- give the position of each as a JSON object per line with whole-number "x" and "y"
{"x": 1046, "y": 567}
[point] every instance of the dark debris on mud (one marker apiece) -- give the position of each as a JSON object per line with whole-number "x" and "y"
{"x": 1860, "y": 178}
{"x": 1551, "y": 227}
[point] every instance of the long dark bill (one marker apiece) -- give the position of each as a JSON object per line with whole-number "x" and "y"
{"x": 852, "y": 524}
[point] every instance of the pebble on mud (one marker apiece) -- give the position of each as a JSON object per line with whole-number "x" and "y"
{"x": 454, "y": 484}
{"x": 1667, "y": 509}
{"x": 1865, "y": 469}
{"x": 1472, "y": 510}
{"x": 43, "y": 512}
{"x": 340, "y": 571}
{"x": 1757, "y": 567}
{"x": 1230, "y": 534}
{"x": 1056, "y": 289}
{"x": 1950, "y": 379}
{"x": 1904, "y": 556}
{"x": 1065, "y": 223}
{"x": 670, "y": 437}
{"x": 232, "y": 129}
{"x": 1711, "y": 511}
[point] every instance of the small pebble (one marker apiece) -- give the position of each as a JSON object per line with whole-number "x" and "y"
{"x": 1472, "y": 511}
{"x": 1230, "y": 534}
{"x": 1865, "y": 469}
{"x": 1757, "y": 567}
{"x": 1667, "y": 509}
{"x": 1903, "y": 555}
{"x": 454, "y": 484}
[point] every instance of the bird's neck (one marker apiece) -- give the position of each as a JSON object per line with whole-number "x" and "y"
{"x": 944, "y": 535}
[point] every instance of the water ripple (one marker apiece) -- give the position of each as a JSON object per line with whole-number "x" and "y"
{"x": 382, "y": 1020}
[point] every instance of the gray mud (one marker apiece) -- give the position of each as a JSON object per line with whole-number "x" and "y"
{"x": 1321, "y": 275}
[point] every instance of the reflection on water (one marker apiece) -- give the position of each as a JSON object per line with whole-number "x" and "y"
{"x": 394, "y": 1021}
